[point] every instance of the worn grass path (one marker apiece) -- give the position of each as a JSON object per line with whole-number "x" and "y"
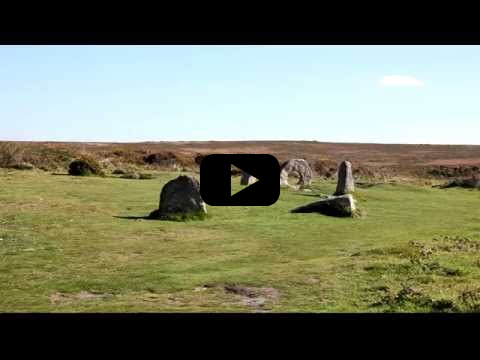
{"x": 72, "y": 244}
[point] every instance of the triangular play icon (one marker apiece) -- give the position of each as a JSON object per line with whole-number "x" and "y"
{"x": 251, "y": 180}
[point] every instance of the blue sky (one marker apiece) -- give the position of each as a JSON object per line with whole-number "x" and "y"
{"x": 382, "y": 94}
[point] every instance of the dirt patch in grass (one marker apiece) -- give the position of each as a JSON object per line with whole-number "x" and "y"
{"x": 312, "y": 280}
{"x": 255, "y": 297}
{"x": 59, "y": 297}
{"x": 258, "y": 298}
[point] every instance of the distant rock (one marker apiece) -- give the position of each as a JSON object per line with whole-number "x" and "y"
{"x": 345, "y": 182}
{"x": 22, "y": 166}
{"x": 470, "y": 183}
{"x": 299, "y": 167}
{"x": 180, "y": 199}
{"x": 339, "y": 206}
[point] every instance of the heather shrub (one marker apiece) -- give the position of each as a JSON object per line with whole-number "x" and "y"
{"x": 85, "y": 166}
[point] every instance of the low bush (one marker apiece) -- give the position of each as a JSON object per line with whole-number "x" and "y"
{"x": 325, "y": 168}
{"x": 10, "y": 154}
{"x": 85, "y": 166}
{"x": 48, "y": 158}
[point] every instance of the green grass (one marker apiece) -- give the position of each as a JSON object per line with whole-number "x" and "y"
{"x": 414, "y": 249}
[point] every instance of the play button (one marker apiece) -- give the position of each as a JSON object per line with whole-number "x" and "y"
{"x": 215, "y": 180}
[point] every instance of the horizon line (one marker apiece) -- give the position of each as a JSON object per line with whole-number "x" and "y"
{"x": 220, "y": 141}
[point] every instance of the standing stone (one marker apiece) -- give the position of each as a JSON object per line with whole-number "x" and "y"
{"x": 340, "y": 206}
{"x": 299, "y": 167}
{"x": 345, "y": 182}
{"x": 246, "y": 179}
{"x": 180, "y": 198}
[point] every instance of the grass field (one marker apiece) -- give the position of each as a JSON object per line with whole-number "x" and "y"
{"x": 73, "y": 244}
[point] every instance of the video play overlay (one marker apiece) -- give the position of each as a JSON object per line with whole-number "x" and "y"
{"x": 215, "y": 179}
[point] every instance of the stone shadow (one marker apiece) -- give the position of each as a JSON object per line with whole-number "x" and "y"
{"x": 134, "y": 217}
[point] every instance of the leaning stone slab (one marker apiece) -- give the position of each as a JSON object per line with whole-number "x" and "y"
{"x": 340, "y": 206}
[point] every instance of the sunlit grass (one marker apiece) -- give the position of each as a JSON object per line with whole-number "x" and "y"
{"x": 63, "y": 237}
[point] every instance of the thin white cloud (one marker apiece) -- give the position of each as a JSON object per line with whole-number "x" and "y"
{"x": 400, "y": 80}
